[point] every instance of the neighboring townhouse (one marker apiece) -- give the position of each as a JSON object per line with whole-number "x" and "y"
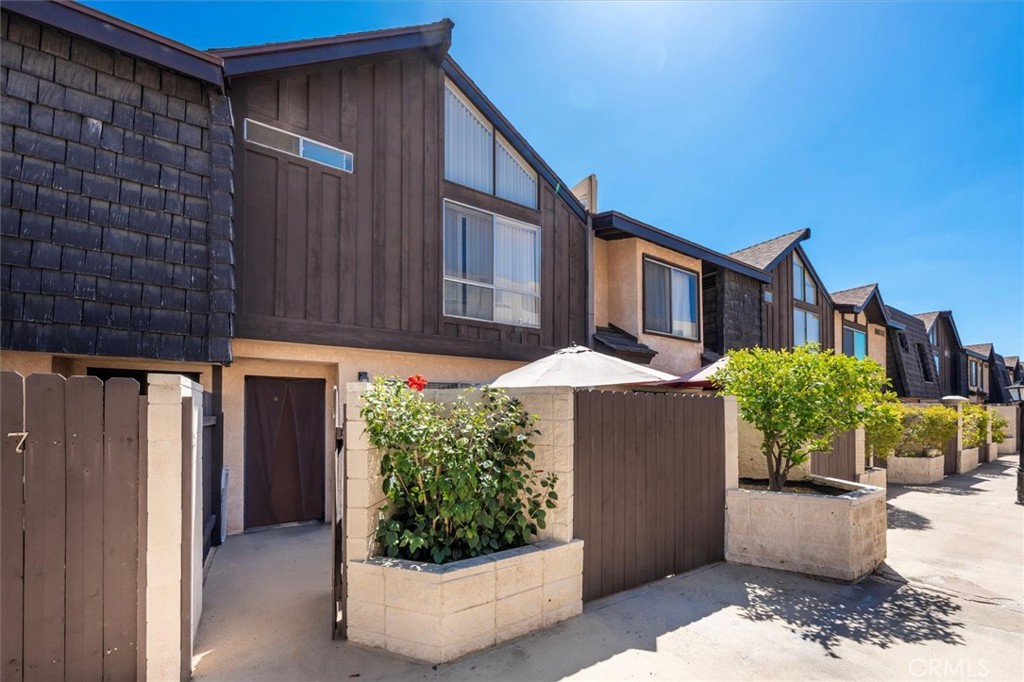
{"x": 947, "y": 351}
{"x": 987, "y": 377}
{"x": 652, "y": 303}
{"x": 796, "y": 306}
{"x": 910, "y": 360}
{"x": 862, "y": 323}
{"x": 1014, "y": 369}
{"x": 390, "y": 221}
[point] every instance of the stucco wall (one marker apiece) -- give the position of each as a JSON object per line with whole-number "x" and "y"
{"x": 876, "y": 335}
{"x": 600, "y": 282}
{"x": 1009, "y": 412}
{"x": 26, "y": 363}
{"x": 336, "y": 366}
{"x": 622, "y": 297}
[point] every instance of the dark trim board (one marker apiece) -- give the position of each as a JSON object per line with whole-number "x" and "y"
{"x": 613, "y": 225}
{"x": 270, "y": 328}
{"x": 124, "y": 37}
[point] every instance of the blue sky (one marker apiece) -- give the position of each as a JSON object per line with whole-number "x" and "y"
{"x": 895, "y": 131}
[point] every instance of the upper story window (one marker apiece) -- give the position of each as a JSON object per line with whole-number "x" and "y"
{"x": 855, "y": 343}
{"x": 806, "y": 327}
{"x": 974, "y": 373}
{"x": 670, "y": 300}
{"x": 984, "y": 372}
{"x": 491, "y": 267}
{"x": 933, "y": 335}
{"x": 297, "y": 145}
{"x": 476, "y": 156}
{"x": 803, "y": 284}
{"x": 926, "y": 369}
{"x": 938, "y": 362}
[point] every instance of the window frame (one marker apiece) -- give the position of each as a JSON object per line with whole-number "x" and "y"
{"x": 302, "y": 145}
{"x": 493, "y": 287}
{"x": 805, "y": 278}
{"x": 806, "y": 310}
{"x": 496, "y": 139}
{"x": 973, "y": 373}
{"x": 856, "y": 329}
{"x": 643, "y": 297}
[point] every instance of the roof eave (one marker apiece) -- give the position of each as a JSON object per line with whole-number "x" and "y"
{"x": 258, "y": 59}
{"x": 119, "y": 35}
{"x": 619, "y": 221}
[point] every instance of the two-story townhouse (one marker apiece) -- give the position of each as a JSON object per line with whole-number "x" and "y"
{"x": 910, "y": 361}
{"x": 948, "y": 355}
{"x": 116, "y": 254}
{"x": 862, "y": 323}
{"x": 1014, "y": 369}
{"x": 390, "y": 221}
{"x": 987, "y": 377}
{"x": 651, "y": 301}
{"x": 796, "y": 307}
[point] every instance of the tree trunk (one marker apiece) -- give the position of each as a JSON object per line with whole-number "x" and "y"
{"x": 776, "y": 474}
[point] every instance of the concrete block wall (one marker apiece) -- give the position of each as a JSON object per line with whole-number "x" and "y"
{"x": 437, "y": 613}
{"x": 163, "y": 553}
{"x": 1009, "y": 444}
{"x": 915, "y": 470}
{"x": 752, "y": 463}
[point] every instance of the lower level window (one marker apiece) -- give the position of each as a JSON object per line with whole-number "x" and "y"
{"x": 491, "y": 267}
{"x": 855, "y": 343}
{"x": 806, "y": 327}
{"x": 670, "y": 300}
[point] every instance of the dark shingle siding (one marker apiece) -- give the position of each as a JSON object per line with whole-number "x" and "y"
{"x": 117, "y": 203}
{"x": 906, "y": 357}
{"x": 732, "y": 310}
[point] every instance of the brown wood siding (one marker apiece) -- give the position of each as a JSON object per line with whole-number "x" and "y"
{"x": 949, "y": 360}
{"x": 355, "y": 259}
{"x": 841, "y": 462}
{"x": 778, "y": 315}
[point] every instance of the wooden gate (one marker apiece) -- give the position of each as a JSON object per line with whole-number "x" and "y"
{"x": 70, "y": 534}
{"x": 649, "y": 486}
{"x": 841, "y": 463}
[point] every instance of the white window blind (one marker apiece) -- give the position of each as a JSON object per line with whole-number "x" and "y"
{"x": 468, "y": 145}
{"x": 514, "y": 180}
{"x": 670, "y": 300}
{"x": 491, "y": 267}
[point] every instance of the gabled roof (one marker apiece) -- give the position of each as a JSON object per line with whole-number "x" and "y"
{"x": 929, "y": 320}
{"x": 1011, "y": 361}
{"x": 111, "y": 32}
{"x": 908, "y": 351}
{"x": 767, "y": 254}
{"x": 611, "y": 225}
{"x": 252, "y": 59}
{"x": 980, "y": 350}
{"x": 858, "y": 299}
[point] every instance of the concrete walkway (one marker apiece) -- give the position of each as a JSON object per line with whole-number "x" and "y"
{"x": 959, "y": 616}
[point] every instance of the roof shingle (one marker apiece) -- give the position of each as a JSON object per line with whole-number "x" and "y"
{"x": 766, "y": 254}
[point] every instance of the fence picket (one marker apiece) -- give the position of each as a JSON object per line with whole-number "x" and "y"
{"x": 12, "y": 556}
{"x": 44, "y": 527}
{"x": 83, "y": 607}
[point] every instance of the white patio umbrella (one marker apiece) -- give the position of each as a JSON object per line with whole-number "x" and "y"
{"x": 578, "y": 366}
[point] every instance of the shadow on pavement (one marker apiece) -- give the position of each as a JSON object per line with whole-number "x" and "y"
{"x": 904, "y": 519}
{"x": 875, "y": 612}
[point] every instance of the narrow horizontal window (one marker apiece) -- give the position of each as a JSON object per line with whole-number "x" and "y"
{"x": 491, "y": 267}
{"x": 297, "y": 145}
{"x": 670, "y": 300}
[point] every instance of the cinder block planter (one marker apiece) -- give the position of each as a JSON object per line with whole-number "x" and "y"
{"x": 875, "y": 476}
{"x": 915, "y": 470}
{"x": 993, "y": 452}
{"x": 840, "y": 537}
{"x": 967, "y": 461}
{"x": 437, "y": 613}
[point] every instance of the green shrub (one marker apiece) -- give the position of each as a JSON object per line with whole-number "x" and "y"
{"x": 927, "y": 428}
{"x": 999, "y": 426}
{"x": 976, "y": 418}
{"x": 459, "y": 478}
{"x": 884, "y": 431}
{"x": 801, "y": 399}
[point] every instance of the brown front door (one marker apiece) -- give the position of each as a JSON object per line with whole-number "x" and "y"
{"x": 284, "y": 450}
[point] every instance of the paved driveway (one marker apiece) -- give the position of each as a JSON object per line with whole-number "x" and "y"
{"x": 959, "y": 616}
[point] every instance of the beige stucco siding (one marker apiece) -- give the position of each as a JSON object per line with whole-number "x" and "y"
{"x": 26, "y": 363}
{"x": 875, "y": 333}
{"x": 618, "y": 274}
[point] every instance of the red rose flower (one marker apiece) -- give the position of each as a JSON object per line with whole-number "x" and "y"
{"x": 417, "y": 381}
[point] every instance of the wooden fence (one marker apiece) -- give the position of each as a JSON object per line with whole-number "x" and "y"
{"x": 649, "y": 486}
{"x": 842, "y": 462}
{"x": 72, "y": 457}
